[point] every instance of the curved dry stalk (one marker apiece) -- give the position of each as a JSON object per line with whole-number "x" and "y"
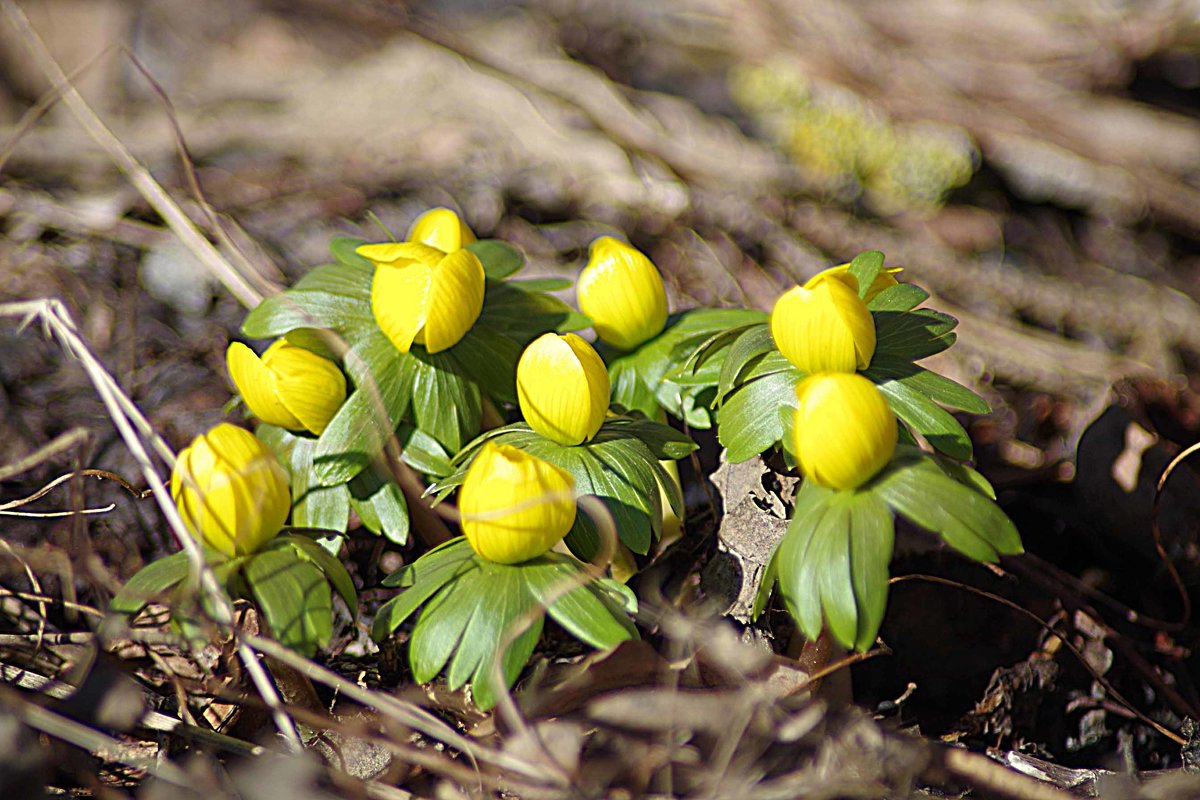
{"x": 89, "y": 739}
{"x": 150, "y": 189}
{"x": 133, "y": 427}
{"x": 1184, "y": 598}
{"x": 1004, "y": 601}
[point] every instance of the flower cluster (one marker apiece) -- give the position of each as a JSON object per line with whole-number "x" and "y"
{"x": 843, "y": 431}
{"x": 428, "y": 344}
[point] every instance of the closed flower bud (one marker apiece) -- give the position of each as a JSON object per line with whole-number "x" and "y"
{"x": 563, "y": 388}
{"x": 843, "y": 431}
{"x": 422, "y": 294}
{"x": 514, "y": 506}
{"x": 823, "y": 326}
{"x": 441, "y": 228}
{"x": 289, "y": 386}
{"x": 621, "y": 290}
{"x": 231, "y": 490}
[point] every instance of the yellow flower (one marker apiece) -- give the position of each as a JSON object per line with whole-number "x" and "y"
{"x": 885, "y": 279}
{"x": 563, "y": 388}
{"x": 621, "y": 290}
{"x": 441, "y": 228}
{"x": 843, "y": 431}
{"x": 425, "y": 295}
{"x": 231, "y": 490}
{"x": 513, "y": 505}
{"x": 289, "y": 386}
{"x": 823, "y": 326}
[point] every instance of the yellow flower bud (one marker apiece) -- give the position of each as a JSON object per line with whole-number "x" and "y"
{"x": 823, "y": 326}
{"x": 843, "y": 431}
{"x": 441, "y": 228}
{"x": 289, "y": 386}
{"x": 422, "y": 294}
{"x": 884, "y": 279}
{"x": 231, "y": 490}
{"x": 563, "y": 388}
{"x": 621, "y": 290}
{"x": 514, "y": 506}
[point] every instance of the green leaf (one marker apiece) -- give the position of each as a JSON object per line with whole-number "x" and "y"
{"x": 481, "y": 638}
{"x": 515, "y": 658}
{"x": 513, "y": 606}
{"x": 581, "y": 611}
{"x": 967, "y": 520}
{"x": 522, "y": 315}
{"x": 380, "y": 504}
{"x": 830, "y": 552}
{"x": 753, "y": 342}
{"x": 313, "y": 505}
{"x": 509, "y": 601}
{"x": 440, "y": 627}
{"x": 452, "y": 553}
{"x": 343, "y": 248}
{"x": 335, "y": 297}
{"x": 424, "y": 578}
{"x": 901, "y": 297}
{"x": 797, "y": 571}
{"x": 149, "y": 582}
{"x": 366, "y": 420}
{"x": 766, "y": 584}
{"x": 927, "y": 418}
{"x": 545, "y": 284}
{"x": 865, "y": 267}
{"x": 629, "y": 391}
{"x": 488, "y": 357}
{"x": 639, "y": 378}
{"x": 423, "y": 453}
{"x": 333, "y": 569}
{"x": 871, "y": 541}
{"x": 930, "y": 384}
{"x": 913, "y": 335}
{"x": 664, "y": 442}
{"x": 294, "y": 598}
{"x": 750, "y": 421}
{"x": 499, "y": 259}
{"x": 445, "y": 405}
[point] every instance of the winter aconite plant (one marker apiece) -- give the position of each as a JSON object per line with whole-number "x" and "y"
{"x": 827, "y": 378}
{"x": 483, "y": 596}
{"x": 233, "y": 496}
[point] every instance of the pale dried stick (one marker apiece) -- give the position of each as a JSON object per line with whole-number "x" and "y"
{"x": 126, "y": 417}
{"x": 90, "y": 739}
{"x": 139, "y": 176}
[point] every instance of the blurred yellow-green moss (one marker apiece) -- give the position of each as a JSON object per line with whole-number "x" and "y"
{"x": 849, "y": 147}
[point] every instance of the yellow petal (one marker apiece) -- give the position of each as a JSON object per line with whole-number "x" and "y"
{"x": 622, "y": 292}
{"x": 514, "y": 506}
{"x": 441, "y": 228}
{"x": 563, "y": 388}
{"x": 843, "y": 430}
{"x": 672, "y": 523}
{"x": 399, "y": 254}
{"x": 398, "y": 300}
{"x": 455, "y": 300}
{"x": 310, "y": 386}
{"x": 258, "y": 388}
{"x": 824, "y": 326}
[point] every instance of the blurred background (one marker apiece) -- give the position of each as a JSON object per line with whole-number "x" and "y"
{"x": 1035, "y": 164}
